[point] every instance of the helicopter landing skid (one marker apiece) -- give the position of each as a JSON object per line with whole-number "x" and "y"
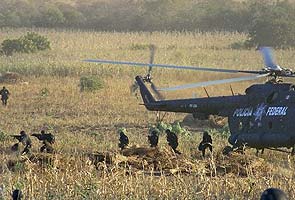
{"x": 228, "y": 150}
{"x": 282, "y": 150}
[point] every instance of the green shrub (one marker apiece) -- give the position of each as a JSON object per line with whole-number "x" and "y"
{"x": 162, "y": 126}
{"x": 44, "y": 92}
{"x": 179, "y": 130}
{"x": 90, "y": 83}
{"x": 8, "y": 46}
{"x": 175, "y": 127}
{"x": 223, "y": 132}
{"x": 30, "y": 43}
{"x": 37, "y": 42}
{"x": 3, "y": 136}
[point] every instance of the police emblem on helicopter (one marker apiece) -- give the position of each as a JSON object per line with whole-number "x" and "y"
{"x": 260, "y": 111}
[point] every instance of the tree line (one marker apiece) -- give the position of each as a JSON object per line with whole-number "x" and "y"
{"x": 254, "y": 16}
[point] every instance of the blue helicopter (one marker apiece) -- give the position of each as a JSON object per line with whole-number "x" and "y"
{"x": 262, "y": 118}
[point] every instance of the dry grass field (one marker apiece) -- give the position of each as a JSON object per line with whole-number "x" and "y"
{"x": 86, "y": 122}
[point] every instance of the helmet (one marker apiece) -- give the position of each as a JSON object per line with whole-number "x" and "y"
{"x": 122, "y": 130}
{"x": 273, "y": 194}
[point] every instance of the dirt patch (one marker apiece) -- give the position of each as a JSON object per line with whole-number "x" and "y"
{"x": 11, "y": 77}
{"x": 165, "y": 162}
{"x": 147, "y": 160}
{"x": 241, "y": 165}
{"x": 213, "y": 122}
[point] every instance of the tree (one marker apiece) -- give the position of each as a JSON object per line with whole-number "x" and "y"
{"x": 274, "y": 26}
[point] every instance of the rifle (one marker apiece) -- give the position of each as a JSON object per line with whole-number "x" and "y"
{"x": 45, "y": 137}
{"x": 18, "y": 137}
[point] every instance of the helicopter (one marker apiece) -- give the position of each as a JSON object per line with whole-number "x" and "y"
{"x": 262, "y": 118}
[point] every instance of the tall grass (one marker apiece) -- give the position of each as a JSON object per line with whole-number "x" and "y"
{"x": 87, "y": 122}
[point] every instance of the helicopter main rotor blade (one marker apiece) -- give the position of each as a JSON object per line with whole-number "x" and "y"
{"x": 172, "y": 66}
{"x": 204, "y": 84}
{"x": 268, "y": 58}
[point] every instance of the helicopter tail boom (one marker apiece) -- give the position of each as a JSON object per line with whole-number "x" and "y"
{"x": 145, "y": 93}
{"x": 200, "y": 107}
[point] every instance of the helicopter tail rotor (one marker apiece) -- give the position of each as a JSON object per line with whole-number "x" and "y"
{"x": 134, "y": 87}
{"x": 152, "y": 56}
{"x": 159, "y": 95}
{"x": 148, "y": 77}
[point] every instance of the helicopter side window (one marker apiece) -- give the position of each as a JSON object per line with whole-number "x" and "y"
{"x": 270, "y": 125}
{"x": 240, "y": 126}
{"x": 272, "y": 97}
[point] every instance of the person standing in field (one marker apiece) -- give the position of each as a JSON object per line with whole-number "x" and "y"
{"x": 172, "y": 140}
{"x": 47, "y": 139}
{"x": 25, "y": 140}
{"x": 205, "y": 143}
{"x": 4, "y": 95}
{"x": 153, "y": 137}
{"x": 123, "y": 140}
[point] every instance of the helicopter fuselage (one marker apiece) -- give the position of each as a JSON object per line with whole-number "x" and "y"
{"x": 262, "y": 118}
{"x": 269, "y": 122}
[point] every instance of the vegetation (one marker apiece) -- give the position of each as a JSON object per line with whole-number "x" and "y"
{"x": 268, "y": 22}
{"x": 275, "y": 26}
{"x": 30, "y": 43}
{"x": 203, "y": 15}
{"x": 3, "y": 136}
{"x": 91, "y": 83}
{"x": 87, "y": 122}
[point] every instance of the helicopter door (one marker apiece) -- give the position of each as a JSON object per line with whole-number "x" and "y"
{"x": 272, "y": 97}
{"x": 239, "y": 125}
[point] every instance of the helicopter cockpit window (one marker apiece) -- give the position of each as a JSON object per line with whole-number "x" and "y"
{"x": 272, "y": 97}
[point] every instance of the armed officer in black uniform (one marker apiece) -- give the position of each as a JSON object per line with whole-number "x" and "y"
{"x": 123, "y": 140}
{"x": 25, "y": 140}
{"x": 172, "y": 140}
{"x": 4, "y": 95}
{"x": 17, "y": 194}
{"x": 47, "y": 139}
{"x": 153, "y": 137}
{"x": 205, "y": 143}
